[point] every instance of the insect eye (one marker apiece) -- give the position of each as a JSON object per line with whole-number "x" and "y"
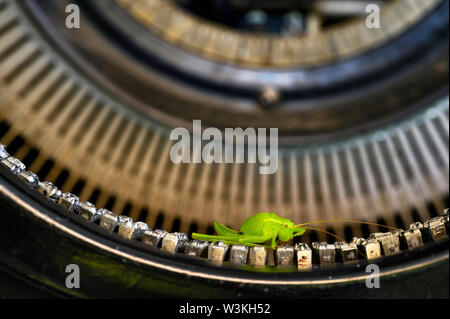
{"x": 287, "y": 226}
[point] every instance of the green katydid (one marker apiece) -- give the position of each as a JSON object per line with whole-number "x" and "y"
{"x": 263, "y": 227}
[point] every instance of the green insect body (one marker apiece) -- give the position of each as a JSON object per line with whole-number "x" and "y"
{"x": 255, "y": 230}
{"x": 263, "y": 227}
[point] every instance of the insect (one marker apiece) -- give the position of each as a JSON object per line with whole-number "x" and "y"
{"x": 263, "y": 227}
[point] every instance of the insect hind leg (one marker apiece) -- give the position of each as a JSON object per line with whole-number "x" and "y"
{"x": 252, "y": 240}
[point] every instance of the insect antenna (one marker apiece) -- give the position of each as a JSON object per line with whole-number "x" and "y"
{"x": 326, "y": 232}
{"x": 345, "y": 221}
{"x": 331, "y": 234}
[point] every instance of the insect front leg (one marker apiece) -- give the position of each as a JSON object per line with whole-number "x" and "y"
{"x": 274, "y": 243}
{"x": 298, "y": 231}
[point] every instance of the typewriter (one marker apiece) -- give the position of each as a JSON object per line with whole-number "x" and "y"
{"x": 99, "y": 197}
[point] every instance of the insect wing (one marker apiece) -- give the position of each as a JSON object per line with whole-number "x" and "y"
{"x": 224, "y": 231}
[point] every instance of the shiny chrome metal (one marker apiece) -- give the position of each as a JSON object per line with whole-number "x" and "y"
{"x": 29, "y": 178}
{"x": 50, "y": 191}
{"x": 436, "y": 228}
{"x": 217, "y": 253}
{"x": 303, "y": 257}
{"x": 370, "y": 248}
{"x": 196, "y": 248}
{"x": 238, "y": 254}
{"x": 284, "y": 256}
{"x": 346, "y": 252}
{"x": 390, "y": 242}
{"x": 153, "y": 237}
{"x": 13, "y": 164}
{"x": 324, "y": 253}
{"x": 108, "y": 220}
{"x": 72, "y": 204}
{"x": 257, "y": 256}
{"x": 174, "y": 242}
